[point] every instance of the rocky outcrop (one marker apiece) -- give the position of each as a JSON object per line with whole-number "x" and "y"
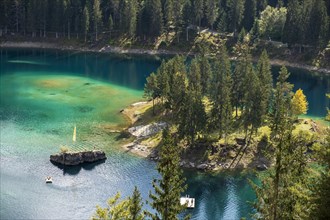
{"x": 75, "y": 158}
{"x": 143, "y": 131}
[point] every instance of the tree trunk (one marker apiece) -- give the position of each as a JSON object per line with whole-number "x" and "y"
{"x": 69, "y": 30}
{"x": 96, "y": 32}
{"x": 153, "y": 106}
{"x": 277, "y": 180}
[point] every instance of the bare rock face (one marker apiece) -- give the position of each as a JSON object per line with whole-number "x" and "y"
{"x": 75, "y": 158}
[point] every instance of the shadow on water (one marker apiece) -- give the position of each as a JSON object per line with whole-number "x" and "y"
{"x": 74, "y": 170}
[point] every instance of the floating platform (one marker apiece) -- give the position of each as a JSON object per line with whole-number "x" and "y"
{"x": 49, "y": 179}
{"x": 189, "y": 202}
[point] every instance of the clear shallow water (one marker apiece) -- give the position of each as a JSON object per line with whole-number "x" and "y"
{"x": 44, "y": 93}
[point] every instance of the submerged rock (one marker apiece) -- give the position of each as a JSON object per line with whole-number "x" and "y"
{"x": 75, "y": 158}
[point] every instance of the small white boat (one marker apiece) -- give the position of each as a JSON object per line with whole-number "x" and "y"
{"x": 49, "y": 179}
{"x": 188, "y": 202}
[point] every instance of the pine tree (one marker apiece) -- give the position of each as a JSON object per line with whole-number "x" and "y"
{"x": 151, "y": 89}
{"x": 205, "y": 69}
{"x": 115, "y": 209}
{"x": 318, "y": 24}
{"x": 281, "y": 125}
{"x": 299, "y": 103}
{"x": 194, "y": 77}
{"x": 327, "y": 117}
{"x": 96, "y": 19}
{"x": 211, "y": 11}
{"x": 220, "y": 94}
{"x": 177, "y": 74}
{"x": 252, "y": 112}
{"x": 178, "y": 21}
{"x": 322, "y": 192}
{"x": 85, "y": 22}
{"x": 265, "y": 88}
{"x": 250, "y": 12}
{"x": 153, "y": 17}
{"x": 236, "y": 10}
{"x": 198, "y": 11}
{"x": 132, "y": 17}
{"x": 286, "y": 192}
{"x": 241, "y": 68}
{"x": 166, "y": 198}
{"x": 135, "y": 207}
{"x": 163, "y": 81}
{"x": 168, "y": 14}
{"x": 191, "y": 117}
{"x": 281, "y": 105}
{"x": 292, "y": 32}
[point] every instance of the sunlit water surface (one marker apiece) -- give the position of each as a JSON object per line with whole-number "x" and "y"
{"x": 44, "y": 93}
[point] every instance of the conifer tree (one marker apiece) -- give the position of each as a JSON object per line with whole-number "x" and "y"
{"x": 176, "y": 70}
{"x": 135, "y": 207}
{"x": 317, "y": 30}
{"x": 327, "y": 117}
{"x": 286, "y": 192}
{"x": 132, "y": 17}
{"x": 220, "y": 94}
{"x": 281, "y": 125}
{"x": 153, "y": 17}
{"x": 299, "y": 103}
{"x": 205, "y": 69}
{"x": 168, "y": 14}
{"x": 198, "y": 11}
{"x": 252, "y": 111}
{"x": 281, "y": 105}
{"x": 211, "y": 11}
{"x": 96, "y": 17}
{"x": 166, "y": 198}
{"x": 163, "y": 81}
{"x": 241, "y": 68}
{"x": 115, "y": 210}
{"x": 236, "y": 13}
{"x": 322, "y": 192}
{"x": 151, "y": 89}
{"x": 85, "y": 22}
{"x": 266, "y": 82}
{"x": 191, "y": 116}
{"x": 250, "y": 10}
{"x": 178, "y": 21}
{"x": 194, "y": 77}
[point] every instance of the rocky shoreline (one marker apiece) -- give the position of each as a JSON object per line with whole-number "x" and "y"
{"x": 224, "y": 156}
{"x": 76, "y": 158}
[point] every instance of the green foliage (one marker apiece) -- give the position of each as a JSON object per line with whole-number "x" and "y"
{"x": 220, "y": 94}
{"x": 236, "y": 10}
{"x": 281, "y": 107}
{"x": 250, "y": 12}
{"x": 166, "y": 197}
{"x": 307, "y": 21}
{"x": 286, "y": 192}
{"x": 271, "y": 22}
{"x": 116, "y": 209}
{"x": 265, "y": 87}
{"x": 126, "y": 209}
{"x": 135, "y": 207}
{"x": 327, "y": 117}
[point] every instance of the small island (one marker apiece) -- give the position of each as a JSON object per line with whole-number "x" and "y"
{"x": 76, "y": 158}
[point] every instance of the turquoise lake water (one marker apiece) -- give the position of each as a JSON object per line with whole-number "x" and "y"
{"x": 44, "y": 93}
